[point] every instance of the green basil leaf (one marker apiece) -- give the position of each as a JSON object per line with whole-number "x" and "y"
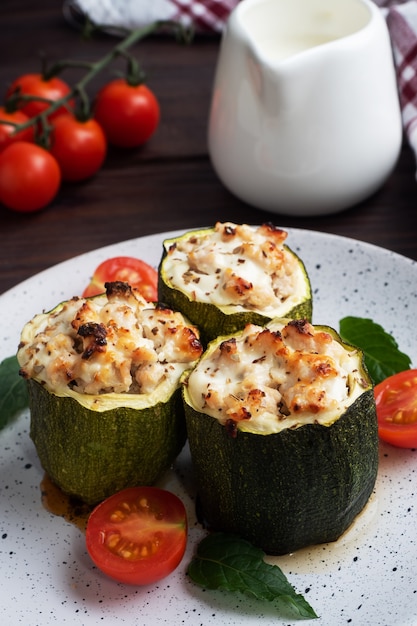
{"x": 13, "y": 390}
{"x": 381, "y": 353}
{"x": 229, "y": 563}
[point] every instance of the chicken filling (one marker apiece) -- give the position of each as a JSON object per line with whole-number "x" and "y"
{"x": 114, "y": 343}
{"x": 243, "y": 266}
{"x": 281, "y": 376}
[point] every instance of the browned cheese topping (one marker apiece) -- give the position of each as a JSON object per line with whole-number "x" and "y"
{"x": 281, "y": 376}
{"x": 114, "y": 343}
{"x": 239, "y": 266}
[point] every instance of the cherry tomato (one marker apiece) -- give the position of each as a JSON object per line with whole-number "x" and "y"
{"x": 396, "y": 407}
{"x": 138, "y": 536}
{"x": 7, "y": 134}
{"x": 126, "y": 269}
{"x": 79, "y": 147}
{"x": 128, "y": 114}
{"x": 35, "y": 85}
{"x": 29, "y": 177}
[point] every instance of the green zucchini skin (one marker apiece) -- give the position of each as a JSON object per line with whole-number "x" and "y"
{"x": 213, "y": 321}
{"x": 289, "y": 490}
{"x": 93, "y": 454}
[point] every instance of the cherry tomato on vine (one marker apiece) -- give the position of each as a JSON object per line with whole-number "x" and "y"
{"x": 138, "y": 536}
{"x": 126, "y": 269}
{"x": 7, "y": 135}
{"x": 35, "y": 85}
{"x": 79, "y": 146}
{"x": 29, "y": 177}
{"x": 128, "y": 114}
{"x": 396, "y": 407}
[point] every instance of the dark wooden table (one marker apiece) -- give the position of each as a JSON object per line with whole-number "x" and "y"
{"x": 169, "y": 183}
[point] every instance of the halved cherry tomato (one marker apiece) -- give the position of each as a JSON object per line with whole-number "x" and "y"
{"x": 128, "y": 114}
{"x": 396, "y": 406}
{"x": 7, "y": 131}
{"x": 126, "y": 269}
{"x": 35, "y": 85}
{"x": 138, "y": 536}
{"x": 79, "y": 146}
{"x": 29, "y": 177}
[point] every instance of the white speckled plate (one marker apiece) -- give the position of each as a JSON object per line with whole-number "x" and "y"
{"x": 368, "y": 577}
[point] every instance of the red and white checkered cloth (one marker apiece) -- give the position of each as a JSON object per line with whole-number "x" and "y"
{"x": 401, "y": 16}
{"x": 211, "y": 16}
{"x": 204, "y": 16}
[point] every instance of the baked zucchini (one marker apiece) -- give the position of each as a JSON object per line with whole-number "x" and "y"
{"x": 283, "y": 435}
{"x": 224, "y": 277}
{"x": 104, "y": 382}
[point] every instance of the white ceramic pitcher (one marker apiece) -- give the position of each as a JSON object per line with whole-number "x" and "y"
{"x": 305, "y": 117}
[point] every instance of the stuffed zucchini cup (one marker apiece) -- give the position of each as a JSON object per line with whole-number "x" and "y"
{"x": 224, "y": 277}
{"x": 282, "y": 430}
{"x": 105, "y": 399}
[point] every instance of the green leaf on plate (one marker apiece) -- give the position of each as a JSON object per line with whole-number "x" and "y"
{"x": 13, "y": 390}
{"x": 229, "y": 563}
{"x": 381, "y": 353}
